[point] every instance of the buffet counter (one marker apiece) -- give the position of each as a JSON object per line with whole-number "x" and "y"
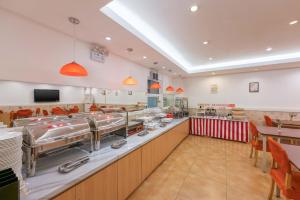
{"x": 235, "y": 130}
{"x": 110, "y": 173}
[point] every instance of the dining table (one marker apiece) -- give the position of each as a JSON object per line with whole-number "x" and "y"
{"x": 293, "y": 152}
{"x": 277, "y": 133}
{"x": 287, "y": 124}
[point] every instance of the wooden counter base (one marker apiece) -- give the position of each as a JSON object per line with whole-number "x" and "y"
{"x": 118, "y": 180}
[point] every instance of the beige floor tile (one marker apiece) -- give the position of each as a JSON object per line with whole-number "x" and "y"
{"x": 209, "y": 169}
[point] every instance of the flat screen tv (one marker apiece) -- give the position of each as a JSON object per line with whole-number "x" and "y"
{"x": 42, "y": 95}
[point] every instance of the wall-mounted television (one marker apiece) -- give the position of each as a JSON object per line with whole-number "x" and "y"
{"x": 45, "y": 95}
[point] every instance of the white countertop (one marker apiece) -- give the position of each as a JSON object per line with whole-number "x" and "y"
{"x": 48, "y": 182}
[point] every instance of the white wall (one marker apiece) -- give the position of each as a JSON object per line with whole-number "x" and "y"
{"x": 279, "y": 90}
{"x": 34, "y": 53}
{"x": 20, "y": 93}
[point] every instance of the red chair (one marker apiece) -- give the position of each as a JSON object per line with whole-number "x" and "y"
{"x": 93, "y": 108}
{"x": 45, "y": 113}
{"x": 75, "y": 109}
{"x": 25, "y": 113}
{"x": 1, "y": 112}
{"x": 287, "y": 180}
{"x": 58, "y": 111}
{"x": 268, "y": 120}
{"x": 37, "y": 111}
{"x": 256, "y": 144}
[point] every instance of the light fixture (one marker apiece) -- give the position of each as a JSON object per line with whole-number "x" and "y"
{"x": 144, "y": 57}
{"x": 210, "y": 58}
{"x": 269, "y": 49}
{"x": 163, "y": 67}
{"x": 194, "y": 8}
{"x": 179, "y": 90}
{"x": 73, "y": 68}
{"x": 120, "y": 13}
{"x": 108, "y": 38}
{"x": 155, "y": 85}
{"x": 293, "y": 22}
{"x": 130, "y": 81}
{"x": 170, "y": 88}
{"x": 205, "y": 42}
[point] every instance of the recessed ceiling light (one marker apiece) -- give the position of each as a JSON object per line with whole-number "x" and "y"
{"x": 269, "y": 49}
{"x": 194, "y": 8}
{"x": 163, "y": 67}
{"x": 108, "y": 38}
{"x": 210, "y": 58}
{"x": 293, "y": 22}
{"x": 144, "y": 57}
{"x": 205, "y": 42}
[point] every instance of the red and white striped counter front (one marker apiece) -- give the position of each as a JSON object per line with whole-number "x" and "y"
{"x": 220, "y": 128}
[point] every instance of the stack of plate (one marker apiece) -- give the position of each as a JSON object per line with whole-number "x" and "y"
{"x": 11, "y": 153}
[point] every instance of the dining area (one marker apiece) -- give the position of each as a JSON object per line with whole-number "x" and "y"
{"x": 280, "y": 139}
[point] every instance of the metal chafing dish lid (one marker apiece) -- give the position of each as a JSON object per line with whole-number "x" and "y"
{"x": 106, "y": 121}
{"x": 36, "y": 120}
{"x": 89, "y": 115}
{"x": 38, "y": 134}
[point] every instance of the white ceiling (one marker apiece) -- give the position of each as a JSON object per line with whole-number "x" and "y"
{"x": 94, "y": 27}
{"x": 236, "y": 30}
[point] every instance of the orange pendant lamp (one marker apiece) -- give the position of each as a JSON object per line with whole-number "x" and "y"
{"x": 73, "y": 68}
{"x": 179, "y": 90}
{"x": 155, "y": 85}
{"x": 170, "y": 88}
{"x": 130, "y": 81}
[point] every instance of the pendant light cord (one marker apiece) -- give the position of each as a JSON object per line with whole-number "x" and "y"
{"x": 74, "y": 42}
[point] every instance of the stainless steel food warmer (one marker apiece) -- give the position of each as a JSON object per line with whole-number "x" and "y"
{"x": 107, "y": 124}
{"x": 49, "y": 137}
{"x": 36, "y": 120}
{"x": 103, "y": 124}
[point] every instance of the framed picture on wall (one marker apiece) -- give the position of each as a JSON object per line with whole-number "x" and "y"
{"x": 214, "y": 89}
{"x": 254, "y": 87}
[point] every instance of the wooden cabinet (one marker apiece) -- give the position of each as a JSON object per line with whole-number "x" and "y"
{"x": 129, "y": 173}
{"x": 102, "y": 185}
{"x": 147, "y": 160}
{"x": 67, "y": 195}
{"x": 120, "y": 179}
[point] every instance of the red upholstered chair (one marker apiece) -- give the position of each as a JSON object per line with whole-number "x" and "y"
{"x": 256, "y": 144}
{"x": 45, "y": 113}
{"x": 24, "y": 113}
{"x": 93, "y": 108}
{"x": 268, "y": 120}
{"x": 37, "y": 111}
{"x": 58, "y": 111}
{"x": 75, "y": 109}
{"x": 287, "y": 180}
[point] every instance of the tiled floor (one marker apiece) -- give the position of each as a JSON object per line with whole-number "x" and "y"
{"x": 208, "y": 169}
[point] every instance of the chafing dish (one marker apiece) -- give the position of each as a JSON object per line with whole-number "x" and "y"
{"x": 36, "y": 120}
{"x": 43, "y": 138}
{"x": 102, "y": 124}
{"x": 106, "y": 124}
{"x": 210, "y": 112}
{"x": 135, "y": 127}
